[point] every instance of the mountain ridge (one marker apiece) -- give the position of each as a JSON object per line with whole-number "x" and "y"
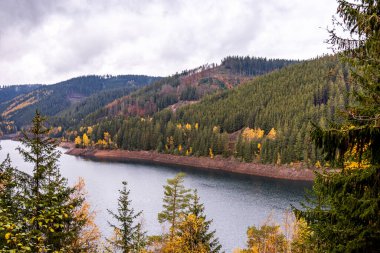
{"x": 55, "y": 98}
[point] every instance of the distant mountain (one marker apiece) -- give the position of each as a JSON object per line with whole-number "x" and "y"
{"x": 9, "y": 92}
{"x": 188, "y": 87}
{"x": 82, "y": 94}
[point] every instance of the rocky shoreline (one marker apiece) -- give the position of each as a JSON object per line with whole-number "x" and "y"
{"x": 217, "y": 163}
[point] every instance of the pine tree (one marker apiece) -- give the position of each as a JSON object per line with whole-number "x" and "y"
{"x": 129, "y": 236}
{"x": 176, "y": 201}
{"x": 344, "y": 213}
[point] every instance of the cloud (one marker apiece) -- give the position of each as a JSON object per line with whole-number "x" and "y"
{"x": 43, "y": 41}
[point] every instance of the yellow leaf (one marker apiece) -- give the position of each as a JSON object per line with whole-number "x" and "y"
{"x": 7, "y": 236}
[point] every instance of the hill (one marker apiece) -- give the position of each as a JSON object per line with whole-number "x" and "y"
{"x": 267, "y": 119}
{"x": 10, "y": 92}
{"x": 82, "y": 95}
{"x": 188, "y": 87}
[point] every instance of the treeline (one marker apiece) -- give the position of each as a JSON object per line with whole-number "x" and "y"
{"x": 267, "y": 120}
{"x": 253, "y": 66}
{"x": 39, "y": 212}
{"x": 87, "y": 85}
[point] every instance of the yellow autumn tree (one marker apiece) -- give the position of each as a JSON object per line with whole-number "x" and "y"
{"x": 89, "y": 235}
{"x": 89, "y": 131}
{"x": 189, "y": 151}
{"x": 188, "y": 127}
{"x": 211, "y": 153}
{"x": 252, "y": 134}
{"x": 101, "y": 144}
{"x": 187, "y": 240}
{"x": 272, "y": 134}
{"x": 78, "y": 141}
{"x": 301, "y": 240}
{"x": 86, "y": 140}
{"x": 258, "y": 155}
{"x": 267, "y": 238}
{"x": 107, "y": 137}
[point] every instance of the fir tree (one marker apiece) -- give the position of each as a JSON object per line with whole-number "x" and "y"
{"x": 10, "y": 208}
{"x": 344, "y": 213}
{"x": 9, "y": 198}
{"x": 129, "y": 236}
{"x": 203, "y": 235}
{"x": 37, "y": 210}
{"x": 48, "y": 206}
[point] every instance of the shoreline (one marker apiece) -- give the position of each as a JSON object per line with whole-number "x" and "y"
{"x": 216, "y": 164}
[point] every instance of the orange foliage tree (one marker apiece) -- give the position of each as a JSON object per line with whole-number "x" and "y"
{"x": 89, "y": 234}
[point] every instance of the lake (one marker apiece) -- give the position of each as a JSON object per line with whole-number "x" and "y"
{"x": 233, "y": 201}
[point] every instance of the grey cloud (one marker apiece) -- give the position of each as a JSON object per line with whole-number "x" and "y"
{"x": 48, "y": 41}
{"x": 25, "y": 13}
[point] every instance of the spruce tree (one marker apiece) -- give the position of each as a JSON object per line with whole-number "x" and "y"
{"x": 344, "y": 212}
{"x": 176, "y": 201}
{"x": 48, "y": 209}
{"x": 37, "y": 210}
{"x": 202, "y": 235}
{"x": 129, "y": 236}
{"x": 10, "y": 209}
{"x": 9, "y": 193}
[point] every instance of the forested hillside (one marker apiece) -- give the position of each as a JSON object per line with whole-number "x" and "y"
{"x": 189, "y": 86}
{"x": 266, "y": 120}
{"x": 74, "y": 95}
{"x": 10, "y": 92}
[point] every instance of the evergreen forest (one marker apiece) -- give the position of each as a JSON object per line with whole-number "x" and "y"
{"x": 266, "y": 120}
{"x": 322, "y": 113}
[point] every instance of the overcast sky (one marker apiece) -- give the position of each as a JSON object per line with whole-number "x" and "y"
{"x": 45, "y": 41}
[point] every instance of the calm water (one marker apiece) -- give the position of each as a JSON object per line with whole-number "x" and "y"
{"x": 233, "y": 201}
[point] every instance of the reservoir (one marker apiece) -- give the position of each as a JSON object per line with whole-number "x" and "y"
{"x": 233, "y": 201}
